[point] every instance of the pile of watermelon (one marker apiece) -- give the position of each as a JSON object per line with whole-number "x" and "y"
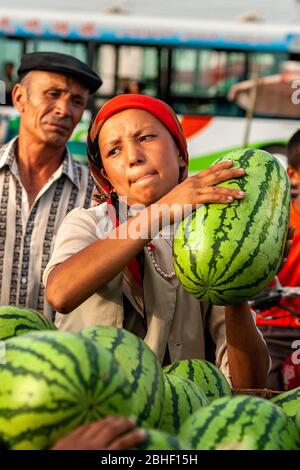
{"x": 53, "y": 381}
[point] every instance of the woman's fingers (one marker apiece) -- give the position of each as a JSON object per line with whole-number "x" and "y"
{"x": 128, "y": 440}
{"x": 219, "y": 166}
{"x": 119, "y": 434}
{"x": 216, "y": 194}
{"x": 104, "y": 434}
{"x": 218, "y": 173}
{"x": 218, "y": 176}
{"x": 203, "y": 189}
{"x": 114, "y": 428}
{"x": 196, "y": 196}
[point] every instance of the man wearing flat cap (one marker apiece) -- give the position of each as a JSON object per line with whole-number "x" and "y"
{"x": 39, "y": 180}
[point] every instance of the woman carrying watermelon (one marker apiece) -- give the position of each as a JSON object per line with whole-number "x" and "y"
{"x": 112, "y": 263}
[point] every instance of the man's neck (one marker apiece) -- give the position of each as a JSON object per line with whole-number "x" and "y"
{"x": 37, "y": 162}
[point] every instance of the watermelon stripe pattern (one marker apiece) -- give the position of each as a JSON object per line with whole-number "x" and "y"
{"x": 289, "y": 402}
{"x": 240, "y": 423}
{"x": 159, "y": 440}
{"x": 142, "y": 369}
{"x": 227, "y": 253}
{"x": 51, "y": 383}
{"x": 298, "y": 419}
{"x": 182, "y": 398}
{"x": 15, "y": 321}
{"x": 204, "y": 374}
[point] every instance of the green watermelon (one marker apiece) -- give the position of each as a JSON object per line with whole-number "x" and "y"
{"x": 298, "y": 419}
{"x": 159, "y": 440}
{"x": 15, "y": 321}
{"x": 289, "y": 402}
{"x": 240, "y": 423}
{"x": 53, "y": 382}
{"x": 204, "y": 374}
{"x": 142, "y": 369}
{"x": 227, "y": 253}
{"x": 182, "y": 398}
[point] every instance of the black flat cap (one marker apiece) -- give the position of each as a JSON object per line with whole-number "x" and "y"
{"x": 60, "y": 63}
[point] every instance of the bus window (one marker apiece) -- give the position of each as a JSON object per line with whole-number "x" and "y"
{"x": 202, "y": 78}
{"x": 105, "y": 65}
{"x": 185, "y": 72}
{"x": 11, "y": 51}
{"x": 266, "y": 64}
{"x": 150, "y": 67}
{"x": 129, "y": 65}
{"x": 139, "y": 64}
{"x": 206, "y": 72}
{"x": 75, "y": 49}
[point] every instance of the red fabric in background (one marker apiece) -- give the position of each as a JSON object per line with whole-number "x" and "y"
{"x": 288, "y": 276}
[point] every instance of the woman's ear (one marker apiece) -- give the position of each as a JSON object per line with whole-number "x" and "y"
{"x": 103, "y": 173}
{"x": 182, "y": 162}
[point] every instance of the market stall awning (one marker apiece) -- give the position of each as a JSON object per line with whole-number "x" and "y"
{"x": 276, "y": 95}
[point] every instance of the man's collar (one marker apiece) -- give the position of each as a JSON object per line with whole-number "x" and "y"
{"x": 8, "y": 153}
{"x": 69, "y": 166}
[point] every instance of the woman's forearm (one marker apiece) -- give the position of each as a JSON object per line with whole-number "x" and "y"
{"x": 247, "y": 353}
{"x": 73, "y": 281}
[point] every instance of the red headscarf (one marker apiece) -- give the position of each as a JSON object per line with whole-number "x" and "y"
{"x": 158, "y": 108}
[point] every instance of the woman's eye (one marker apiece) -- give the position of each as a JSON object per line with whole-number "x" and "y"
{"x": 147, "y": 138}
{"x": 113, "y": 151}
{"x": 53, "y": 93}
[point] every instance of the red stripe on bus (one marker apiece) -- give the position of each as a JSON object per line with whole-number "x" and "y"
{"x": 193, "y": 124}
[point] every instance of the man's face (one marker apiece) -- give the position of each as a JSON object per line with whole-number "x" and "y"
{"x": 51, "y": 104}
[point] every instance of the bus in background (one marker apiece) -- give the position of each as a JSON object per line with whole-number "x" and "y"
{"x": 190, "y": 64}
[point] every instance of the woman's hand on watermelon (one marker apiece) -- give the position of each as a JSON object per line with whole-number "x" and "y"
{"x": 202, "y": 189}
{"x": 111, "y": 433}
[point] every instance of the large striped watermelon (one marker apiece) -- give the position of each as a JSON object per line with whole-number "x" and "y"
{"x": 289, "y": 402}
{"x": 227, "y": 253}
{"x": 204, "y": 374}
{"x": 54, "y": 381}
{"x": 240, "y": 423}
{"x": 182, "y": 398}
{"x": 141, "y": 367}
{"x": 15, "y": 321}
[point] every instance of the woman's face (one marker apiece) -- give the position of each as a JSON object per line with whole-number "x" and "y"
{"x": 139, "y": 155}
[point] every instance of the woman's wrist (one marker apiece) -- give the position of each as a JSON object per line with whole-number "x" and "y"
{"x": 238, "y": 309}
